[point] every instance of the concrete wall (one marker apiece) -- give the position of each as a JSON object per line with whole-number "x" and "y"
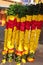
{"x": 5, "y": 3}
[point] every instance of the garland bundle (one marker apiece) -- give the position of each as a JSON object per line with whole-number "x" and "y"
{"x": 22, "y": 32}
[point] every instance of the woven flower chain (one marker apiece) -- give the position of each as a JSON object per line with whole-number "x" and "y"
{"x": 22, "y": 32}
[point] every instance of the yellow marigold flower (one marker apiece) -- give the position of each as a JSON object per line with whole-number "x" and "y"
{"x": 20, "y": 47}
{"x": 9, "y": 60}
{"x": 5, "y": 48}
{"x": 23, "y": 60}
{"x": 4, "y": 61}
{"x": 4, "y": 52}
{"x": 18, "y": 19}
{"x": 30, "y": 59}
{"x": 32, "y": 51}
{"x": 11, "y": 51}
{"x": 9, "y": 45}
{"x": 40, "y": 17}
{"x": 34, "y": 17}
{"x": 28, "y": 18}
{"x": 18, "y": 64}
{"x": 10, "y": 17}
{"x": 26, "y": 52}
{"x": 23, "y": 19}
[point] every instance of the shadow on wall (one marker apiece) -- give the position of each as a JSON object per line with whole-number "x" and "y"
{"x": 2, "y": 35}
{"x": 41, "y": 36}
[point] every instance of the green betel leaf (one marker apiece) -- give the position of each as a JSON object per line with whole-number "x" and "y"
{"x": 23, "y": 10}
{"x": 35, "y": 10}
{"x": 30, "y": 10}
{"x": 31, "y": 55}
{"x": 41, "y": 8}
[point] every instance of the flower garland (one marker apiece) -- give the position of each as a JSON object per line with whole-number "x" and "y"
{"x": 23, "y": 28}
{"x": 27, "y": 37}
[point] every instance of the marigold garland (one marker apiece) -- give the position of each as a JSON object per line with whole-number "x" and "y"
{"x": 23, "y": 28}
